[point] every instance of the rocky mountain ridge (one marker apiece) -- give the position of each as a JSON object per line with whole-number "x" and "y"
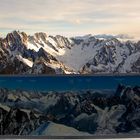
{"x": 44, "y": 54}
{"x": 84, "y": 113}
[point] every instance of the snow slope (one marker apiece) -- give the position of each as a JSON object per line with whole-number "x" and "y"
{"x": 53, "y": 129}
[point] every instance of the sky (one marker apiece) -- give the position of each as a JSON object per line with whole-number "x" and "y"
{"x": 71, "y": 17}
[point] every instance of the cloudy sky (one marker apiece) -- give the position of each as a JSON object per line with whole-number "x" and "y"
{"x": 71, "y": 17}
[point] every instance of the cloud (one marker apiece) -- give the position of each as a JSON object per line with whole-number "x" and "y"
{"x": 71, "y": 16}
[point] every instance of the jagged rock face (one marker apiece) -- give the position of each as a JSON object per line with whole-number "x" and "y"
{"x": 22, "y": 112}
{"x": 61, "y": 55}
{"x": 15, "y": 45}
{"x": 41, "y": 68}
{"x": 16, "y": 121}
{"x": 111, "y": 58}
{"x": 136, "y": 66}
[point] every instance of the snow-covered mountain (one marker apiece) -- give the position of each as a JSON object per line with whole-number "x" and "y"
{"x": 72, "y": 113}
{"x": 44, "y": 54}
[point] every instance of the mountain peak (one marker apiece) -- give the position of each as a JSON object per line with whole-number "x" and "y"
{"x": 16, "y": 37}
{"x": 40, "y": 35}
{"x": 60, "y": 52}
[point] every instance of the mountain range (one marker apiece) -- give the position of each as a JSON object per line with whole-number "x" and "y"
{"x": 45, "y": 54}
{"x": 70, "y": 113}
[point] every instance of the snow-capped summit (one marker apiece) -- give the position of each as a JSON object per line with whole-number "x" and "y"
{"x": 41, "y": 53}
